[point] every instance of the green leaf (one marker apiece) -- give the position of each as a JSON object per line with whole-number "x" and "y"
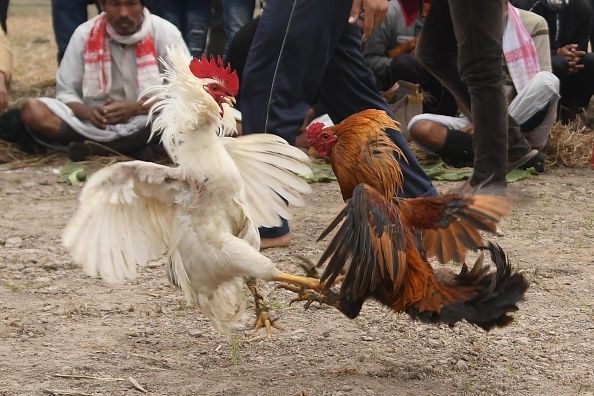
{"x": 73, "y": 173}
{"x": 442, "y": 172}
{"x": 322, "y": 173}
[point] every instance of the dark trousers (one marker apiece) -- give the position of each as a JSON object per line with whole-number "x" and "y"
{"x": 190, "y": 16}
{"x": 461, "y": 45}
{"x": 305, "y": 50}
{"x": 577, "y": 88}
{"x": 66, "y": 16}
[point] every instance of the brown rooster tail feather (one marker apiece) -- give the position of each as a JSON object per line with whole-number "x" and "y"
{"x": 451, "y": 222}
{"x": 479, "y": 296}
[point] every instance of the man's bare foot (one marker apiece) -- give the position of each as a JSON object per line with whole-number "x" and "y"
{"x": 283, "y": 240}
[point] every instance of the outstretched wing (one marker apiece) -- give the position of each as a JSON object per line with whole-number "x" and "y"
{"x": 371, "y": 244}
{"x": 124, "y": 218}
{"x": 269, "y": 167}
{"x": 451, "y": 222}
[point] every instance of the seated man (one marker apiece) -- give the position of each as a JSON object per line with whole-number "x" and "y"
{"x": 389, "y": 55}
{"x": 534, "y": 89}
{"x": 109, "y": 61}
{"x": 5, "y": 70}
{"x": 570, "y": 26}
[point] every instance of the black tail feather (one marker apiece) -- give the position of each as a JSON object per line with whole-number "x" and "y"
{"x": 497, "y": 296}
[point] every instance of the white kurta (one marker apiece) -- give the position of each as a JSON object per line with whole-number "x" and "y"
{"x": 124, "y": 85}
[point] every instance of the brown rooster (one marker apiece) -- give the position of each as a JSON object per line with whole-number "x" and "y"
{"x": 361, "y": 152}
{"x": 376, "y": 246}
{"x": 376, "y": 249}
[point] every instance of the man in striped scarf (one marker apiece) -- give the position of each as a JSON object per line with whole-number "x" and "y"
{"x": 109, "y": 61}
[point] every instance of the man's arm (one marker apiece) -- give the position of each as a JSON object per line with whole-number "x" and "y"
{"x": 383, "y": 38}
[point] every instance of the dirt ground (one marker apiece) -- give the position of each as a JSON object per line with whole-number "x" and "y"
{"x": 58, "y": 325}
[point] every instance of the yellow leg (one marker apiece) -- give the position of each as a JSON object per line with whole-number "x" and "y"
{"x": 263, "y": 319}
{"x": 309, "y": 283}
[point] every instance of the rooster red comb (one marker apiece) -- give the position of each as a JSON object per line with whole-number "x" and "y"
{"x": 313, "y": 129}
{"x": 210, "y": 68}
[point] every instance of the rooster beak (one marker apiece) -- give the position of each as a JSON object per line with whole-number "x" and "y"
{"x": 230, "y": 100}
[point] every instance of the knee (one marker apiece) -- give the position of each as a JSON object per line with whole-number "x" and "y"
{"x": 428, "y": 134}
{"x": 484, "y": 72}
{"x": 32, "y": 112}
{"x": 36, "y": 115}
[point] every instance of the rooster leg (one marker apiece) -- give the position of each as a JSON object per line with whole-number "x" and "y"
{"x": 308, "y": 283}
{"x": 263, "y": 319}
{"x": 327, "y": 296}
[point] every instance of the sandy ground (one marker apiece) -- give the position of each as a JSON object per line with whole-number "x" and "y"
{"x": 56, "y": 321}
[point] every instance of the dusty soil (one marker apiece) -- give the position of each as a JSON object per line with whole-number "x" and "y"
{"x": 55, "y": 321}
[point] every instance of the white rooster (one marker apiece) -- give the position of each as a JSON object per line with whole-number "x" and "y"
{"x": 204, "y": 213}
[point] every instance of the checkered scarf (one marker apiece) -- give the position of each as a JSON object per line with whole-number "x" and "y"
{"x": 519, "y": 50}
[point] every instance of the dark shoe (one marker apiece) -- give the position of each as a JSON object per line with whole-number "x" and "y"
{"x": 520, "y": 162}
{"x": 537, "y": 162}
{"x": 78, "y": 151}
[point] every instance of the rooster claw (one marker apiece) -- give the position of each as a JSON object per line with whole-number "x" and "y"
{"x": 309, "y": 296}
{"x": 264, "y": 321}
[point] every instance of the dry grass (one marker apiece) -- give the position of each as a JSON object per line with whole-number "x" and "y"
{"x": 570, "y": 145}
{"x": 32, "y": 40}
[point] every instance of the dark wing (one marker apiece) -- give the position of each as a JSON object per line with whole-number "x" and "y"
{"x": 370, "y": 245}
{"x": 451, "y": 222}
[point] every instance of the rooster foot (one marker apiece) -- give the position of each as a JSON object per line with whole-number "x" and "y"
{"x": 327, "y": 297}
{"x": 264, "y": 321}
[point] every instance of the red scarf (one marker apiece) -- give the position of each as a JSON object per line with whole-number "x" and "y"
{"x": 411, "y": 9}
{"x": 97, "y": 61}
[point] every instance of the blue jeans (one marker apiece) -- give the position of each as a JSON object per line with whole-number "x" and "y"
{"x": 190, "y": 17}
{"x": 66, "y": 16}
{"x": 236, "y": 14}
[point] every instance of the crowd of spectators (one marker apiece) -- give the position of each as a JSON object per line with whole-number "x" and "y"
{"x": 299, "y": 59}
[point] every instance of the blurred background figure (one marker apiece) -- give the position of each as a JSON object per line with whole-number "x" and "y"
{"x": 389, "y": 53}
{"x": 531, "y": 88}
{"x": 236, "y": 14}
{"x": 191, "y": 17}
{"x": 67, "y": 15}
{"x": 570, "y": 25}
{"x": 5, "y": 67}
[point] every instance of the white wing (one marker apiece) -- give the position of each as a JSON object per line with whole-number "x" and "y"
{"x": 270, "y": 167}
{"x": 124, "y": 218}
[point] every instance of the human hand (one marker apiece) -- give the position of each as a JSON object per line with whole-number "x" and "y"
{"x": 372, "y": 12}
{"x": 117, "y": 112}
{"x": 95, "y": 116}
{"x": 573, "y": 56}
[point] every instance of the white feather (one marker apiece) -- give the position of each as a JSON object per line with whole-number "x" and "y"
{"x": 204, "y": 213}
